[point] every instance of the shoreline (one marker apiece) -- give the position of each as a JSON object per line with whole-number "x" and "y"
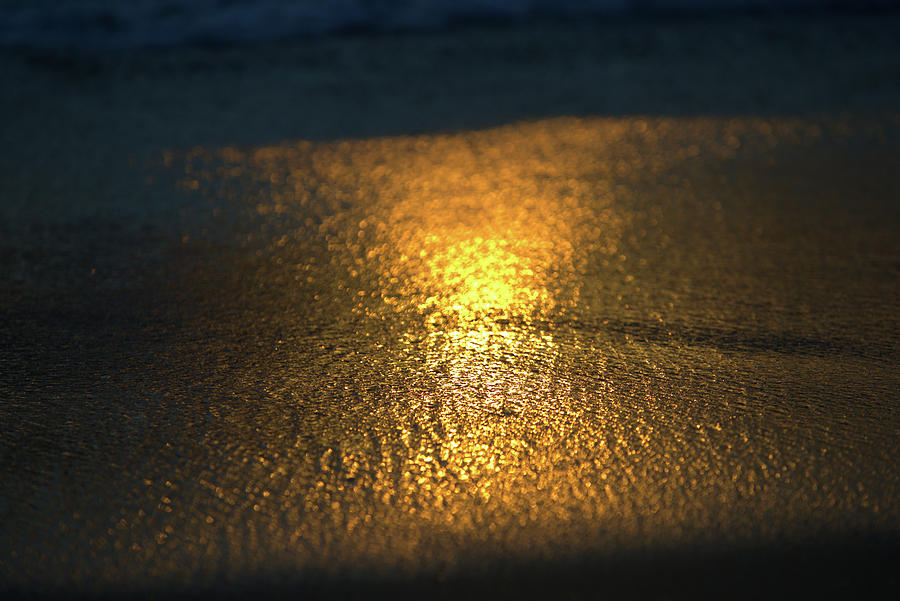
{"x": 418, "y": 307}
{"x": 75, "y": 115}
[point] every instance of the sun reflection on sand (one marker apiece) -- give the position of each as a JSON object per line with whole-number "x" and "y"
{"x": 442, "y": 330}
{"x": 470, "y": 251}
{"x": 479, "y": 275}
{"x": 486, "y": 258}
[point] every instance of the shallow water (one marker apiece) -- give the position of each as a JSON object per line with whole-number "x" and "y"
{"x": 441, "y": 355}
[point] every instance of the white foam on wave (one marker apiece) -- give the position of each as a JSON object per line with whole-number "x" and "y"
{"x": 138, "y": 23}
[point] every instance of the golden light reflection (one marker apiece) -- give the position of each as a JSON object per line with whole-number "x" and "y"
{"x": 470, "y": 248}
{"x": 479, "y": 275}
{"x": 488, "y": 371}
{"x": 456, "y": 231}
{"x": 444, "y": 378}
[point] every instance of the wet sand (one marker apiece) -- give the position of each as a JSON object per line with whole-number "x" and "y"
{"x": 522, "y": 312}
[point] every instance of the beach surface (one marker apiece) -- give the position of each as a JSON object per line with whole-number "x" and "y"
{"x": 531, "y": 311}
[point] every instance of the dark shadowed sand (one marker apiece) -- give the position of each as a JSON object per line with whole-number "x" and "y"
{"x": 538, "y": 312}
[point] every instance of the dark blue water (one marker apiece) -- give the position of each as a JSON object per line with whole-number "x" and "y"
{"x": 139, "y": 23}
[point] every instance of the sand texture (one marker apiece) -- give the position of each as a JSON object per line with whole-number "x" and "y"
{"x": 530, "y": 312}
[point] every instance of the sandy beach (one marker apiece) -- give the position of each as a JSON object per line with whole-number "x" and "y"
{"x": 552, "y": 309}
